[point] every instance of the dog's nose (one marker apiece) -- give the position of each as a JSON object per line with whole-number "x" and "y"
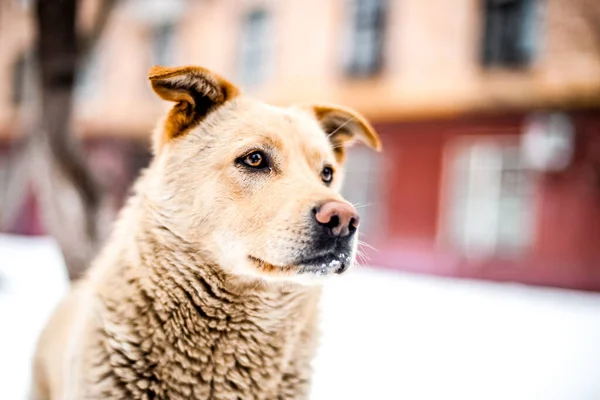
{"x": 340, "y": 219}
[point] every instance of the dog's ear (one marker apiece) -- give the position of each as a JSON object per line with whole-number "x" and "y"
{"x": 343, "y": 127}
{"x": 196, "y": 90}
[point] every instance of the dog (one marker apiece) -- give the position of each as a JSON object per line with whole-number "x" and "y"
{"x": 209, "y": 284}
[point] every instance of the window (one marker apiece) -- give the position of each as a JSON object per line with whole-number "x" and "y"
{"x": 255, "y": 47}
{"x": 509, "y": 38}
{"x": 364, "y": 50}
{"x": 163, "y": 43}
{"x": 491, "y": 200}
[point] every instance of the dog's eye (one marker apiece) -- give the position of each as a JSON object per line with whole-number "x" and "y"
{"x": 327, "y": 174}
{"x": 256, "y": 160}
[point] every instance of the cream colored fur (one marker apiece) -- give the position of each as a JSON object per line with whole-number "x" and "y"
{"x": 194, "y": 296}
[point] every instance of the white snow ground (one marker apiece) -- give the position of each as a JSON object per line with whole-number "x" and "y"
{"x": 385, "y": 335}
{"x": 32, "y": 281}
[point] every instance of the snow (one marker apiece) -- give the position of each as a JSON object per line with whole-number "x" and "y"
{"x": 386, "y": 335}
{"x": 396, "y": 336}
{"x": 32, "y": 280}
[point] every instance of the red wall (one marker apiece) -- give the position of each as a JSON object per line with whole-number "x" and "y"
{"x": 414, "y": 177}
{"x": 566, "y": 248}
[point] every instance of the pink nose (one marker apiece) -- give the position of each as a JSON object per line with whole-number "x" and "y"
{"x": 341, "y": 219}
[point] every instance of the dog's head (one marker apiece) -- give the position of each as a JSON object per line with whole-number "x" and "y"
{"x": 255, "y": 186}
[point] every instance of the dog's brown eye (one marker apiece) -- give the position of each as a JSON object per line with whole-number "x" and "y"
{"x": 327, "y": 174}
{"x": 255, "y": 160}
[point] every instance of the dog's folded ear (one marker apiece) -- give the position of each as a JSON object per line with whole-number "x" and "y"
{"x": 343, "y": 127}
{"x": 196, "y": 90}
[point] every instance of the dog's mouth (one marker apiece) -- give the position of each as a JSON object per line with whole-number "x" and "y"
{"x": 325, "y": 264}
{"x": 321, "y": 264}
{"x": 273, "y": 269}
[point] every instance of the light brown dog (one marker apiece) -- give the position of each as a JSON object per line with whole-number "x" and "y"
{"x": 209, "y": 284}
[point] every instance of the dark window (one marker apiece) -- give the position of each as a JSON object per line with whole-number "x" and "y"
{"x": 364, "y": 53}
{"x": 255, "y": 47}
{"x": 163, "y": 41}
{"x": 510, "y": 30}
{"x": 18, "y": 79}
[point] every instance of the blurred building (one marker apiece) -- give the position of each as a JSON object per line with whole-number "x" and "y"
{"x": 489, "y": 111}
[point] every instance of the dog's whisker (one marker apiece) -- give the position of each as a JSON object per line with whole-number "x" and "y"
{"x": 360, "y": 251}
{"x": 367, "y": 245}
{"x": 360, "y": 260}
{"x": 364, "y": 257}
{"x": 340, "y": 127}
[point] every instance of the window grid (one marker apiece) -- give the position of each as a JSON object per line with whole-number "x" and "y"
{"x": 511, "y": 27}
{"x": 491, "y": 201}
{"x": 365, "y": 39}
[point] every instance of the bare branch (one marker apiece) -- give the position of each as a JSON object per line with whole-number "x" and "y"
{"x": 88, "y": 41}
{"x": 71, "y": 199}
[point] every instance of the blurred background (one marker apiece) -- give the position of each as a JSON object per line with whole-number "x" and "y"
{"x": 489, "y": 113}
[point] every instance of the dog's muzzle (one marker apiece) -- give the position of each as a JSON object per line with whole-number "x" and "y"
{"x": 334, "y": 232}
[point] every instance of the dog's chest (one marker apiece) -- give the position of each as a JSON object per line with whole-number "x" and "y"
{"x": 202, "y": 351}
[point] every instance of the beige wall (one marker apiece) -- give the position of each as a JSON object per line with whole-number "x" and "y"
{"x": 16, "y": 36}
{"x": 431, "y": 66}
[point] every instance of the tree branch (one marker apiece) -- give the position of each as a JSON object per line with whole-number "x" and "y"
{"x": 60, "y": 158}
{"x": 88, "y": 41}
